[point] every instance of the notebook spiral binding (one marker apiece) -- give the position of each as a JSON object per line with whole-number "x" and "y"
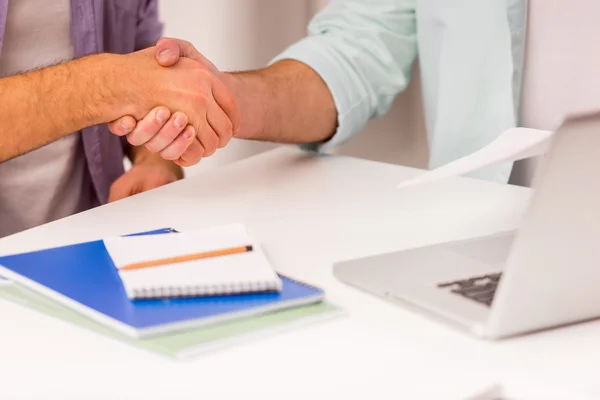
{"x": 199, "y": 291}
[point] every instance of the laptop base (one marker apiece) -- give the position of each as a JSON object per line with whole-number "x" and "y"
{"x": 423, "y": 277}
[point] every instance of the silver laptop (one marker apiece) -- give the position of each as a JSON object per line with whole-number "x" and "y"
{"x": 544, "y": 275}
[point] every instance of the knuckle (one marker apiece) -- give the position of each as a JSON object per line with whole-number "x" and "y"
{"x": 199, "y": 150}
{"x": 169, "y": 138}
{"x": 191, "y": 158}
{"x": 178, "y": 124}
{"x": 228, "y": 127}
{"x": 152, "y": 147}
{"x": 210, "y": 143}
{"x": 153, "y": 126}
{"x": 144, "y": 136}
{"x": 201, "y": 99}
{"x": 181, "y": 115}
{"x": 213, "y": 139}
{"x": 163, "y": 139}
{"x": 224, "y": 141}
{"x": 175, "y": 150}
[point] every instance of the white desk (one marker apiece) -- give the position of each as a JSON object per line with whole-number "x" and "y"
{"x": 308, "y": 212}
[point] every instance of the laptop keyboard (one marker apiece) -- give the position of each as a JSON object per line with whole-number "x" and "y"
{"x": 480, "y": 288}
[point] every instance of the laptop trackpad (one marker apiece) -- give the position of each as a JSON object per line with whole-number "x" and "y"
{"x": 491, "y": 250}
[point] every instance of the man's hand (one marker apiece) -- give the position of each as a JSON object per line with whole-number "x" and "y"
{"x": 287, "y": 102}
{"x": 149, "y": 171}
{"x": 174, "y": 142}
{"x": 159, "y": 130}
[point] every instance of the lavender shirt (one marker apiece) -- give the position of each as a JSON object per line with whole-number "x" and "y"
{"x": 106, "y": 26}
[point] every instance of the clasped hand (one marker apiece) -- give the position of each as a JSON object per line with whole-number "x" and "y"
{"x": 191, "y": 112}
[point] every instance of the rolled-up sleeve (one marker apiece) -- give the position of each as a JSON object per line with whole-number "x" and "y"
{"x": 364, "y": 51}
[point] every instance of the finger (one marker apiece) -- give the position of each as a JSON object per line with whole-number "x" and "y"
{"x": 180, "y": 145}
{"x": 192, "y": 155}
{"x": 123, "y": 125}
{"x": 170, "y": 50}
{"x": 228, "y": 103}
{"x": 209, "y": 140}
{"x": 168, "y": 133}
{"x": 221, "y": 125}
{"x": 149, "y": 126}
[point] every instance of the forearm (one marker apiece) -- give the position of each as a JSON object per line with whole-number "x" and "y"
{"x": 287, "y": 102}
{"x": 39, "y": 107}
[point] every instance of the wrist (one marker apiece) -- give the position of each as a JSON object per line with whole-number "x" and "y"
{"x": 124, "y": 84}
{"x": 249, "y": 91}
{"x": 100, "y": 81}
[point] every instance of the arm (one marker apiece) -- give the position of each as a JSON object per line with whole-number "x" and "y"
{"x": 287, "y": 102}
{"x": 325, "y": 88}
{"x": 42, "y": 106}
{"x": 362, "y": 54}
{"x": 53, "y": 103}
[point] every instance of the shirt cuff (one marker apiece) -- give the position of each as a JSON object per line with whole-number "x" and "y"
{"x": 352, "y": 108}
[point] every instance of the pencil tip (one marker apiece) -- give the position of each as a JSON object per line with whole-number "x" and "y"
{"x": 248, "y": 248}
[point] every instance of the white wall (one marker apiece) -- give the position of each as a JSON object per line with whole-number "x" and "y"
{"x": 561, "y": 69}
{"x": 245, "y": 34}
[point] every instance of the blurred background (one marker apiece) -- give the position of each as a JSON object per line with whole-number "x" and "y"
{"x": 247, "y": 34}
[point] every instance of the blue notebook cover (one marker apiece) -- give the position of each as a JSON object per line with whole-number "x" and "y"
{"x": 83, "y": 277}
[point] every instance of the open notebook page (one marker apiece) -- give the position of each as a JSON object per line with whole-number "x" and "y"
{"x": 236, "y": 273}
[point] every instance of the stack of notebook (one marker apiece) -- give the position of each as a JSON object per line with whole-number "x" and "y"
{"x": 149, "y": 290}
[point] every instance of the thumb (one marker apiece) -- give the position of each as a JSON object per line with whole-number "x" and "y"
{"x": 123, "y": 126}
{"x": 170, "y": 50}
{"x": 121, "y": 188}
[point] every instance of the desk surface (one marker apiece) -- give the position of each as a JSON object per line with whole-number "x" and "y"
{"x": 339, "y": 208}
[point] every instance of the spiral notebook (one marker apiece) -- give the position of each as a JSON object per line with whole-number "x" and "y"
{"x": 84, "y": 278}
{"x": 166, "y": 266}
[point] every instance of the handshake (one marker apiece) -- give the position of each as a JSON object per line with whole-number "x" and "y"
{"x": 180, "y": 107}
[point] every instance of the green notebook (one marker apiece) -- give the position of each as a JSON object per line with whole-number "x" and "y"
{"x": 182, "y": 344}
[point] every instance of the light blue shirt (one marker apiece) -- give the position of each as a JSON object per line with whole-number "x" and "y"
{"x": 471, "y": 59}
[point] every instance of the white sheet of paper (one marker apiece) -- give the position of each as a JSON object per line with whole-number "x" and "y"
{"x": 237, "y": 270}
{"x": 512, "y": 145}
